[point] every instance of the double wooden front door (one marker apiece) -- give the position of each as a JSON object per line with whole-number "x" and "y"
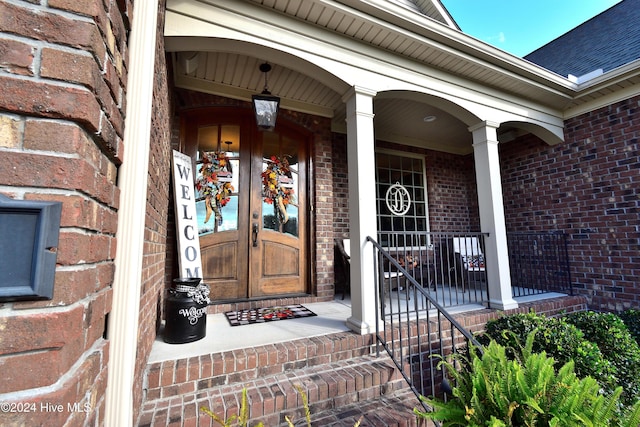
{"x": 252, "y": 205}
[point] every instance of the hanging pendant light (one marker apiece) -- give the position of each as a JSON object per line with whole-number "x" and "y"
{"x": 265, "y": 106}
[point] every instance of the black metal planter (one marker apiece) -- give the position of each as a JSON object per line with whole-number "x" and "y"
{"x": 186, "y": 311}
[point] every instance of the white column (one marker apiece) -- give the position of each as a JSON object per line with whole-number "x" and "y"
{"x": 490, "y": 202}
{"x": 362, "y": 207}
{"x": 123, "y": 319}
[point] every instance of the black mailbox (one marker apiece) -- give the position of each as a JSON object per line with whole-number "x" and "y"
{"x": 29, "y": 233}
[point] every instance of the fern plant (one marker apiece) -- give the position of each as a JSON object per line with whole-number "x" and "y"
{"x": 493, "y": 389}
{"x": 559, "y": 339}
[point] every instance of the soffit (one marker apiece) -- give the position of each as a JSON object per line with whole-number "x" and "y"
{"x": 428, "y": 40}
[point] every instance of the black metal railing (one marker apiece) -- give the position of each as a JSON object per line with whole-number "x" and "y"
{"x": 414, "y": 327}
{"x": 539, "y": 263}
{"x": 450, "y": 266}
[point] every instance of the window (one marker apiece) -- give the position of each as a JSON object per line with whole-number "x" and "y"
{"x": 217, "y": 194}
{"x": 400, "y": 180}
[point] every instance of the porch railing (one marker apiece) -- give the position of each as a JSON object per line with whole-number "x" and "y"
{"x": 539, "y": 263}
{"x": 415, "y": 329}
{"x": 421, "y": 275}
{"x": 450, "y": 266}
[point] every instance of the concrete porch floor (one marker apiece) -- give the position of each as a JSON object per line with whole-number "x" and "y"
{"x": 331, "y": 318}
{"x": 221, "y": 336}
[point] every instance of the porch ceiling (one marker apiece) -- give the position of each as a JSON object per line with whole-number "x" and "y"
{"x": 415, "y": 30}
{"x": 396, "y": 120}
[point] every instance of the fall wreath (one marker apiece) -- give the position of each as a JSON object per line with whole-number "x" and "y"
{"x": 211, "y": 185}
{"x": 276, "y": 182}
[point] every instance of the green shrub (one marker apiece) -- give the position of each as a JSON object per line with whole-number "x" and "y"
{"x": 617, "y": 345}
{"x": 496, "y": 390}
{"x": 556, "y": 337}
{"x": 631, "y": 318}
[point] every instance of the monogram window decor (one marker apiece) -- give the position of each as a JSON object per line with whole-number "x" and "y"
{"x": 401, "y": 192}
{"x": 398, "y": 199}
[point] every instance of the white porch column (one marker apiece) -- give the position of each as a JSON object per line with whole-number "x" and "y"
{"x": 487, "y": 161}
{"x": 362, "y": 207}
{"x": 123, "y": 319}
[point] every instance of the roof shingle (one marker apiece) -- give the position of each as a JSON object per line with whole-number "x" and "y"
{"x": 606, "y": 41}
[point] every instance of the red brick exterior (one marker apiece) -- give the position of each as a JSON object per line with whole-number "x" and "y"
{"x": 340, "y": 190}
{"x": 62, "y": 107}
{"x": 452, "y": 194}
{"x": 588, "y": 188}
{"x": 62, "y": 98}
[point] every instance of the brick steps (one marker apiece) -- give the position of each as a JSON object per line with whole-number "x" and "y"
{"x": 326, "y": 386}
{"x": 338, "y": 373}
{"x": 393, "y": 410}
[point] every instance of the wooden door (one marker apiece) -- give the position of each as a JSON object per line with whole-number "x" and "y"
{"x": 278, "y": 254}
{"x": 253, "y": 242}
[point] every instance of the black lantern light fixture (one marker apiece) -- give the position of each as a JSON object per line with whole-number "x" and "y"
{"x": 265, "y": 106}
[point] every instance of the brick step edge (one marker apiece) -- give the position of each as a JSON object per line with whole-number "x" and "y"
{"x": 393, "y": 410}
{"x": 177, "y": 377}
{"x": 270, "y": 398}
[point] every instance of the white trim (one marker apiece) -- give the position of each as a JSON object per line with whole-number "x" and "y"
{"x": 362, "y": 207}
{"x": 492, "y": 218}
{"x": 602, "y": 101}
{"x": 125, "y": 312}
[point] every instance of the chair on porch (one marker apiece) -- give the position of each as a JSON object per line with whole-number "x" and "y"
{"x": 342, "y": 255}
{"x": 394, "y": 280}
{"x": 468, "y": 259}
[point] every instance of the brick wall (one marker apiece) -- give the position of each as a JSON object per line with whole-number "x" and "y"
{"x": 340, "y": 193}
{"x": 62, "y": 86}
{"x": 451, "y": 192}
{"x": 588, "y": 187}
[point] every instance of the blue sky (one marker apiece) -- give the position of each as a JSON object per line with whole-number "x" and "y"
{"x": 521, "y": 26}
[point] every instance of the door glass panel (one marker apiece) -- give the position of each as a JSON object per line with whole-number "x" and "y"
{"x": 217, "y": 178}
{"x": 280, "y": 184}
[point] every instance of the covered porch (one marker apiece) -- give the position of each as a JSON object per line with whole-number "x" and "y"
{"x": 423, "y": 107}
{"x": 346, "y": 375}
{"x": 338, "y": 370}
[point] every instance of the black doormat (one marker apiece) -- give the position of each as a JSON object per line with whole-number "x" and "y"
{"x": 269, "y": 314}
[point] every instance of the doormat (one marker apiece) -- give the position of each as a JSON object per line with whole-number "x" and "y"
{"x": 269, "y": 314}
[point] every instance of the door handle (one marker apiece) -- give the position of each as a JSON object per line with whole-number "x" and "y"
{"x": 254, "y": 234}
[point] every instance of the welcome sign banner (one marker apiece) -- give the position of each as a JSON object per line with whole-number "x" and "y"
{"x": 190, "y": 261}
